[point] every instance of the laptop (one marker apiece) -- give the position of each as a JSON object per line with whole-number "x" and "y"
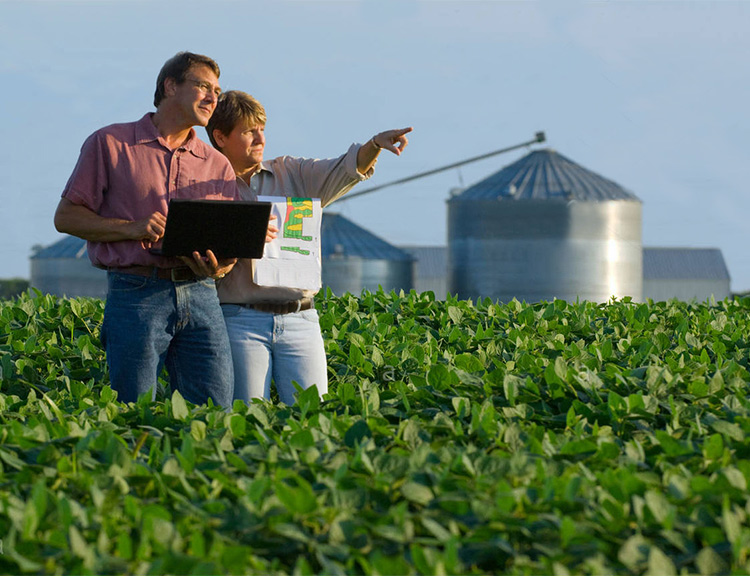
{"x": 231, "y": 229}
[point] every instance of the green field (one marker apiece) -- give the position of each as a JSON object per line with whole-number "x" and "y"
{"x": 457, "y": 438}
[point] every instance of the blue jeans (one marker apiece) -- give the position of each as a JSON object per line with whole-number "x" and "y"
{"x": 284, "y": 347}
{"x": 150, "y": 323}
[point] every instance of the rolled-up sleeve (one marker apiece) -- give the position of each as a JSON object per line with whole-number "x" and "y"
{"x": 327, "y": 179}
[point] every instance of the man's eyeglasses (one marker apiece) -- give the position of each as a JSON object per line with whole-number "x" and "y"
{"x": 205, "y": 87}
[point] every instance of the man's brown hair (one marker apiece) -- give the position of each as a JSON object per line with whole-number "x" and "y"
{"x": 234, "y": 107}
{"x": 177, "y": 67}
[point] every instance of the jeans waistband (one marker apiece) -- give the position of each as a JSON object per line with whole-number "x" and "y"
{"x": 179, "y": 274}
{"x": 281, "y": 307}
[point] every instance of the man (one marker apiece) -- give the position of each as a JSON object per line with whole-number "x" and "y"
{"x": 159, "y": 310}
{"x": 273, "y": 330}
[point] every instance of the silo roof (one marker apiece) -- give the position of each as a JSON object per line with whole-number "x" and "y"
{"x": 67, "y": 247}
{"x": 341, "y": 236}
{"x": 684, "y": 263}
{"x": 546, "y": 175}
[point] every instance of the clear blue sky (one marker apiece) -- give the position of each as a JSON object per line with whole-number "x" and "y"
{"x": 652, "y": 95}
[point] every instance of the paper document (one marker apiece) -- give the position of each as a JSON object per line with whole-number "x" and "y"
{"x": 293, "y": 258}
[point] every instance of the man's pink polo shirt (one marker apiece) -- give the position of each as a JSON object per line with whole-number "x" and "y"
{"x": 127, "y": 171}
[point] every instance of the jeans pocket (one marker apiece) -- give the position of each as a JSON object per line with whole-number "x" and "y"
{"x": 230, "y": 310}
{"x": 310, "y": 315}
{"x": 126, "y": 282}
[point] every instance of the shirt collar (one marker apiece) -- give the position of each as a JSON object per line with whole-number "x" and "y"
{"x": 263, "y": 168}
{"x": 145, "y": 132}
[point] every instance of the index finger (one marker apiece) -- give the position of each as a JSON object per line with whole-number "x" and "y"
{"x": 212, "y": 261}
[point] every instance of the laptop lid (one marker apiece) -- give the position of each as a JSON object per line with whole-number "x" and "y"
{"x": 231, "y": 229}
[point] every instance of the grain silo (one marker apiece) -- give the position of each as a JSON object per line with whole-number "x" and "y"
{"x": 430, "y": 266}
{"x": 355, "y": 259}
{"x": 64, "y": 269}
{"x": 544, "y": 227}
{"x": 689, "y": 274}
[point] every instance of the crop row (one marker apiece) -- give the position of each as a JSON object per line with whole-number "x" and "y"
{"x": 458, "y": 437}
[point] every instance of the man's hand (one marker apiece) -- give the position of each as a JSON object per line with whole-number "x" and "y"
{"x": 392, "y": 140}
{"x": 208, "y": 265}
{"x": 149, "y": 230}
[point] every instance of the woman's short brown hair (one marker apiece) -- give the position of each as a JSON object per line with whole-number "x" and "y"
{"x": 234, "y": 107}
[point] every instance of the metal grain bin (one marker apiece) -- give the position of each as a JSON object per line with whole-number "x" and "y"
{"x": 544, "y": 228}
{"x": 64, "y": 269}
{"x": 355, "y": 259}
{"x": 688, "y": 274}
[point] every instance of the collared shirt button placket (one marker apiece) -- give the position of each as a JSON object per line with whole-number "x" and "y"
{"x": 174, "y": 172}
